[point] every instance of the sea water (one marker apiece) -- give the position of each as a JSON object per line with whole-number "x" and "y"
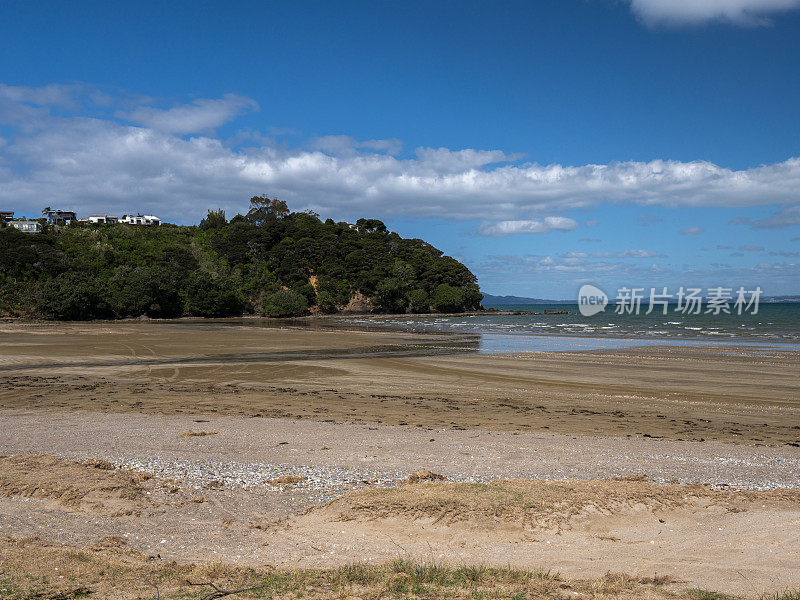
{"x": 775, "y": 325}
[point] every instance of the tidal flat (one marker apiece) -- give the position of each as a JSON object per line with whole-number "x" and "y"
{"x": 737, "y": 394}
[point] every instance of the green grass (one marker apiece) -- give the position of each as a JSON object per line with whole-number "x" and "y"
{"x": 698, "y": 594}
{"x": 785, "y": 595}
{"x": 124, "y": 576}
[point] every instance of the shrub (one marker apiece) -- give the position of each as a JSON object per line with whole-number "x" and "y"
{"x": 145, "y": 291}
{"x": 285, "y": 303}
{"x": 419, "y": 301}
{"x": 210, "y": 297}
{"x": 307, "y": 290}
{"x": 326, "y": 302}
{"x": 215, "y": 219}
{"x": 472, "y": 298}
{"x": 447, "y": 298}
{"x": 72, "y": 297}
{"x": 391, "y": 295}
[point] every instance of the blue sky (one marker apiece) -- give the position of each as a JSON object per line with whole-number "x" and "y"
{"x": 546, "y": 144}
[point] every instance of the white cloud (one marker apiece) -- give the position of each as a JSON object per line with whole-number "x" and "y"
{"x": 48, "y": 95}
{"x": 693, "y": 12}
{"x": 200, "y": 115}
{"x": 546, "y": 225}
{"x": 692, "y": 231}
{"x": 92, "y": 162}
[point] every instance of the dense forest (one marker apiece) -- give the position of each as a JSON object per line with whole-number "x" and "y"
{"x": 270, "y": 261}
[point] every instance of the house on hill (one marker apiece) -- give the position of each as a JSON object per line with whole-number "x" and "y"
{"x": 101, "y": 219}
{"x": 27, "y": 226}
{"x": 60, "y": 217}
{"x": 140, "y": 220}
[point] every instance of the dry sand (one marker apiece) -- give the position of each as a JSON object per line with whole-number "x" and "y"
{"x": 211, "y": 498}
{"x": 732, "y": 541}
{"x": 338, "y": 419}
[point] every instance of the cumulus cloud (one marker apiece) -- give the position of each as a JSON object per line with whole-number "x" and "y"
{"x": 546, "y": 225}
{"x": 694, "y": 12}
{"x": 200, "y": 115}
{"x": 95, "y": 160}
{"x": 692, "y": 231}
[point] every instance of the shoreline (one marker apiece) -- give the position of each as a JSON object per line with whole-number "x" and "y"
{"x": 396, "y": 378}
{"x": 610, "y": 341}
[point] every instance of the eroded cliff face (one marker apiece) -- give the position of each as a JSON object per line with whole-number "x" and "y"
{"x": 359, "y": 303}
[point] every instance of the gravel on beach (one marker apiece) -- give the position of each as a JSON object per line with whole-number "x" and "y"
{"x": 333, "y": 458}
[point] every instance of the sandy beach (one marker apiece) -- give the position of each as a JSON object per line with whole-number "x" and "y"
{"x": 738, "y": 395}
{"x": 293, "y": 447}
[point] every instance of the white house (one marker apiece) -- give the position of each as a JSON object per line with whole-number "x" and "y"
{"x": 27, "y": 226}
{"x": 102, "y": 219}
{"x": 140, "y": 220}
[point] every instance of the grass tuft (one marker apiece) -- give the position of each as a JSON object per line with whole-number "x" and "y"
{"x": 698, "y": 594}
{"x": 785, "y": 595}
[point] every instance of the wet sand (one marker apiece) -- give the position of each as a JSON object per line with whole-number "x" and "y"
{"x": 738, "y": 395}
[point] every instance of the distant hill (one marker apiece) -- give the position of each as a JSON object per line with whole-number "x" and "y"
{"x": 492, "y": 301}
{"x": 270, "y": 261}
{"x": 489, "y": 300}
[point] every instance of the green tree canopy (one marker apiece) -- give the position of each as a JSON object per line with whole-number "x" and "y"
{"x": 227, "y": 267}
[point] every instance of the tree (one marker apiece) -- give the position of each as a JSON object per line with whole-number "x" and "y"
{"x": 215, "y": 219}
{"x": 472, "y": 297}
{"x": 210, "y": 297}
{"x": 145, "y": 291}
{"x": 370, "y": 225}
{"x": 447, "y": 298}
{"x": 285, "y": 303}
{"x": 326, "y": 302}
{"x": 391, "y": 295}
{"x": 419, "y": 302}
{"x": 308, "y": 292}
{"x": 71, "y": 297}
{"x": 263, "y": 210}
